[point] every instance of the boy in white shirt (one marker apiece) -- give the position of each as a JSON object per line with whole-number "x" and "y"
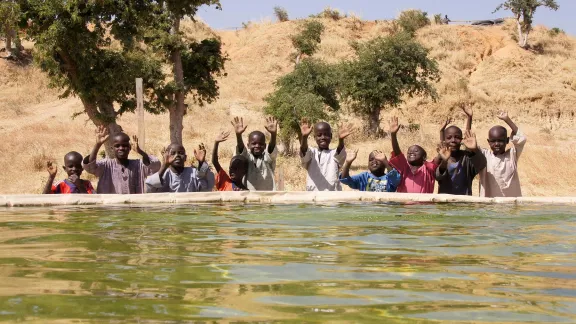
{"x": 322, "y": 164}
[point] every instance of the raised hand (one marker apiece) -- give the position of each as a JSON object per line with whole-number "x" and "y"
{"x": 444, "y": 150}
{"x": 238, "y": 123}
{"x": 467, "y": 109}
{"x": 51, "y": 168}
{"x": 167, "y": 155}
{"x": 380, "y": 156}
{"x": 503, "y": 116}
{"x": 135, "y": 147}
{"x": 222, "y": 137}
{"x": 75, "y": 179}
{"x": 345, "y": 130}
{"x": 470, "y": 141}
{"x": 305, "y": 127}
{"x": 102, "y": 134}
{"x": 447, "y": 122}
{"x": 351, "y": 155}
{"x": 200, "y": 153}
{"x": 271, "y": 125}
{"x": 394, "y": 126}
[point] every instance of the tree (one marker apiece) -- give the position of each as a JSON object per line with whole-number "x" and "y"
{"x": 523, "y": 11}
{"x": 195, "y": 65}
{"x": 281, "y": 14}
{"x": 384, "y": 71}
{"x": 308, "y": 40}
{"x": 9, "y": 19}
{"x": 412, "y": 20}
{"x": 309, "y": 91}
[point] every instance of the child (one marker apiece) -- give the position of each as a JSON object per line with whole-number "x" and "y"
{"x": 120, "y": 175}
{"x": 500, "y": 176}
{"x": 322, "y": 163}
{"x": 262, "y": 159}
{"x": 73, "y": 184}
{"x": 175, "y": 177}
{"x": 231, "y": 181}
{"x": 377, "y": 180}
{"x": 457, "y": 174}
{"x": 417, "y": 173}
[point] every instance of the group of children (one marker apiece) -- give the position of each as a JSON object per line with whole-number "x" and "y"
{"x": 253, "y": 166}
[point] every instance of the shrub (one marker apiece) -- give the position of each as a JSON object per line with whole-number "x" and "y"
{"x": 308, "y": 41}
{"x": 555, "y": 32}
{"x": 281, "y": 14}
{"x": 438, "y": 19}
{"x": 412, "y": 20}
{"x": 331, "y": 13}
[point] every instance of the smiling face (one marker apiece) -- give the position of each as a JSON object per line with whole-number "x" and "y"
{"x": 453, "y": 137}
{"x": 415, "y": 155}
{"x": 178, "y": 152}
{"x": 73, "y": 164}
{"x": 498, "y": 139}
{"x": 121, "y": 146}
{"x": 375, "y": 166}
{"x": 323, "y": 135}
{"x": 257, "y": 143}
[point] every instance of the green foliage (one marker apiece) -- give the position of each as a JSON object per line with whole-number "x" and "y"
{"x": 387, "y": 69}
{"x": 331, "y": 13}
{"x": 309, "y": 91}
{"x": 523, "y": 11}
{"x": 555, "y": 32}
{"x": 412, "y": 20}
{"x": 9, "y": 15}
{"x": 281, "y": 14}
{"x": 438, "y": 19}
{"x": 308, "y": 41}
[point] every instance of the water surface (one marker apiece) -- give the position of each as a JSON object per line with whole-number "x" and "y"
{"x": 346, "y": 263}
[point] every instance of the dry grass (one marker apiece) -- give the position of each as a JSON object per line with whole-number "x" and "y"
{"x": 481, "y": 66}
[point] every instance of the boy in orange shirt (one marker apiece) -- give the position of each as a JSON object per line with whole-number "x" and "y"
{"x": 231, "y": 181}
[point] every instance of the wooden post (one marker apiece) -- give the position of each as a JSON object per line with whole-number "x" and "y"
{"x": 280, "y": 184}
{"x": 140, "y": 113}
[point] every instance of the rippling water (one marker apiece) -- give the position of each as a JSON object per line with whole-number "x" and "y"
{"x": 346, "y": 263}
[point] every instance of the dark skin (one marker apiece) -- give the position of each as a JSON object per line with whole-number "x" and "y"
{"x": 377, "y": 163}
{"x": 256, "y": 140}
{"x": 175, "y": 158}
{"x": 468, "y": 111}
{"x": 238, "y": 166}
{"x": 323, "y": 135}
{"x": 120, "y": 144}
{"x": 498, "y": 135}
{"x": 72, "y": 167}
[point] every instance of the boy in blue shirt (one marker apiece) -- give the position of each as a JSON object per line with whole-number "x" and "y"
{"x": 377, "y": 180}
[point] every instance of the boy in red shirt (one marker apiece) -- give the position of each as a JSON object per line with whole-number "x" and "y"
{"x": 418, "y": 175}
{"x": 73, "y": 184}
{"x": 231, "y": 181}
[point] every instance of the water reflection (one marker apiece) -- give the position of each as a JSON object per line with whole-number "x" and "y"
{"x": 319, "y": 263}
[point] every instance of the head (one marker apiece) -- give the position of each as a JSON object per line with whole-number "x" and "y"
{"x": 178, "y": 152}
{"x": 416, "y": 155}
{"x": 73, "y": 164}
{"x": 121, "y": 145}
{"x": 238, "y": 168}
{"x": 323, "y": 135}
{"x": 498, "y": 139}
{"x": 453, "y": 137}
{"x": 375, "y": 166}
{"x": 257, "y": 143}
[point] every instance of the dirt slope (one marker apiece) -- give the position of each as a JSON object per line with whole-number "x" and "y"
{"x": 480, "y": 65}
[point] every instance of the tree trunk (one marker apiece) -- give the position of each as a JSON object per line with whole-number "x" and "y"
{"x": 298, "y": 58}
{"x": 179, "y": 107}
{"x": 374, "y": 122}
{"x": 107, "y": 109}
{"x": 522, "y": 38}
{"x": 8, "y": 44}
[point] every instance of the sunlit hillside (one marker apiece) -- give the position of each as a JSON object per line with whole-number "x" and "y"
{"x": 481, "y": 66}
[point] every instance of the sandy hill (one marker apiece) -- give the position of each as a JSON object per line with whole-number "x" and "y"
{"x": 480, "y": 65}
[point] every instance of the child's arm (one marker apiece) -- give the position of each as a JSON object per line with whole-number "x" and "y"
{"x": 394, "y": 127}
{"x": 505, "y": 118}
{"x": 443, "y": 156}
{"x": 272, "y": 127}
{"x": 469, "y": 112}
{"x": 166, "y": 163}
{"x": 239, "y": 128}
{"x": 349, "y": 160}
{"x": 52, "y": 171}
{"x": 145, "y": 157}
{"x": 305, "y": 129}
{"x": 205, "y": 177}
{"x": 343, "y": 132}
{"x": 219, "y": 139}
{"x": 478, "y": 159}
{"x": 446, "y": 123}
{"x": 101, "y": 137}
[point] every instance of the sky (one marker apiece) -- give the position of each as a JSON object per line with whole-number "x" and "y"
{"x": 234, "y": 12}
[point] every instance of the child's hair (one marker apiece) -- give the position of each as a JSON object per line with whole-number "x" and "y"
{"x": 241, "y": 159}
{"x": 454, "y": 127}
{"x": 259, "y": 133}
{"x": 499, "y": 128}
{"x": 123, "y": 135}
{"x": 73, "y": 155}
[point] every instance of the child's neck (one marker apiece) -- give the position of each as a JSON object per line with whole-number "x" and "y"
{"x": 177, "y": 170}
{"x": 123, "y": 162}
{"x": 378, "y": 173}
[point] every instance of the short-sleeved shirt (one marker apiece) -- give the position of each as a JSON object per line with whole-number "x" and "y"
{"x": 189, "y": 180}
{"x": 322, "y": 168}
{"x": 67, "y": 187}
{"x": 500, "y": 177}
{"x": 115, "y": 178}
{"x": 457, "y": 178}
{"x": 421, "y": 181}
{"x": 224, "y": 183}
{"x": 260, "y": 174}
{"x": 366, "y": 181}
